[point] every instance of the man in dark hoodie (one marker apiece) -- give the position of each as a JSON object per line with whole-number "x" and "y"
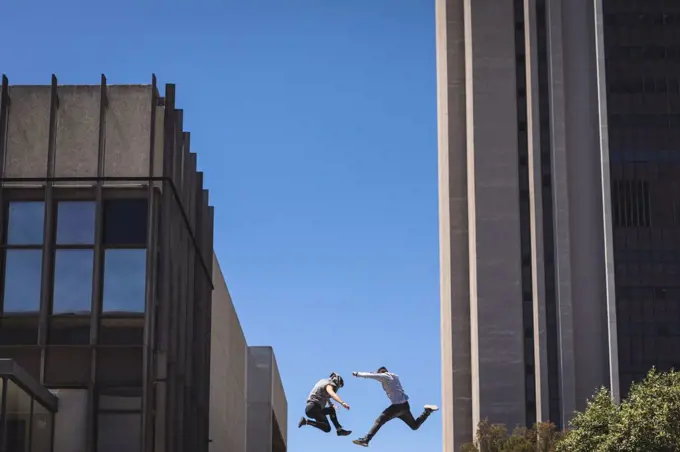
{"x": 319, "y": 405}
{"x": 399, "y": 407}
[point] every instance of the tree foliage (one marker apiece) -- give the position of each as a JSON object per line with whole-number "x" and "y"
{"x": 542, "y": 437}
{"x": 648, "y": 420}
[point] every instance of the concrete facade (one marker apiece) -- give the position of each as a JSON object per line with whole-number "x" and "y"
{"x": 267, "y": 405}
{"x": 228, "y": 371}
{"x": 157, "y": 359}
{"x": 521, "y": 90}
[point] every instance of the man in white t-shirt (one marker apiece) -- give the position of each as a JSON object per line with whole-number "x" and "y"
{"x": 399, "y": 407}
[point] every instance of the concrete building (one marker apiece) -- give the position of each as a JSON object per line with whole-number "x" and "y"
{"x": 117, "y": 331}
{"x": 559, "y": 161}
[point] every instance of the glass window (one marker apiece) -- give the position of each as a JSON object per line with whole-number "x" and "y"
{"x": 18, "y": 418}
{"x": 125, "y": 222}
{"x": 124, "y": 280}
{"x": 26, "y": 223}
{"x": 41, "y": 434}
{"x": 72, "y": 281}
{"x": 23, "y": 270}
{"x": 75, "y": 223}
{"x": 118, "y": 431}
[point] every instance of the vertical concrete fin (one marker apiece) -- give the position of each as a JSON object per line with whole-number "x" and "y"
{"x": 453, "y": 226}
{"x": 496, "y": 321}
{"x": 612, "y": 335}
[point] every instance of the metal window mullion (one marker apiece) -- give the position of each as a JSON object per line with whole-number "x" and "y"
{"x": 150, "y": 284}
{"x": 189, "y": 293}
{"x": 4, "y": 119}
{"x": 3, "y": 416}
{"x": 98, "y": 271}
{"x": 48, "y": 236}
{"x": 165, "y": 276}
{"x": 207, "y": 248}
{"x": 30, "y": 424}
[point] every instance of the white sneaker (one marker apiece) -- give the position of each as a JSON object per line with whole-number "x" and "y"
{"x": 431, "y": 408}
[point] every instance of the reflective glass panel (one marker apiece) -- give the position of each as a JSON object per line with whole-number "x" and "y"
{"x": 72, "y": 281}
{"x": 23, "y": 269}
{"x": 119, "y": 432}
{"x": 75, "y": 222}
{"x": 41, "y": 435}
{"x": 124, "y": 281}
{"x": 25, "y": 223}
{"x": 18, "y": 418}
{"x": 125, "y": 221}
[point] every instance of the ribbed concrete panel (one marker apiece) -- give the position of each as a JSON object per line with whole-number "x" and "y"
{"x": 279, "y": 403}
{"x": 266, "y": 401}
{"x": 28, "y": 131}
{"x": 77, "y": 132}
{"x": 128, "y": 122}
{"x": 453, "y": 226}
{"x": 563, "y": 276}
{"x": 228, "y": 361}
{"x": 584, "y": 184}
{"x": 497, "y": 336}
{"x": 259, "y": 399}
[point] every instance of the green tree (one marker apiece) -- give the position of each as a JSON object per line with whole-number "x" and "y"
{"x": 543, "y": 437}
{"x": 648, "y": 420}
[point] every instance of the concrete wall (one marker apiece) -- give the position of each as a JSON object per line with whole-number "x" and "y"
{"x": 228, "y": 368}
{"x": 266, "y": 401}
{"x": 126, "y": 131}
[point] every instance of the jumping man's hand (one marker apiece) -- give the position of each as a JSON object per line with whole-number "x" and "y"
{"x": 345, "y": 406}
{"x": 355, "y": 374}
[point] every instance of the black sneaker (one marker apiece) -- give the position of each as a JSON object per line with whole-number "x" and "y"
{"x": 343, "y": 432}
{"x": 302, "y": 422}
{"x": 431, "y": 408}
{"x": 361, "y": 442}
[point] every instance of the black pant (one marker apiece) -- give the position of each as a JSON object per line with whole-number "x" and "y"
{"x": 401, "y": 411}
{"x": 318, "y": 414}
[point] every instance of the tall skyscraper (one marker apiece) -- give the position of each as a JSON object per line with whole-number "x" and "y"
{"x": 559, "y": 180}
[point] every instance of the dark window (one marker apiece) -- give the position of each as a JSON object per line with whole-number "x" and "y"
{"x": 26, "y": 223}
{"x": 125, "y": 222}
{"x": 72, "y": 281}
{"x": 23, "y": 270}
{"x": 118, "y": 431}
{"x": 124, "y": 281}
{"x": 75, "y": 223}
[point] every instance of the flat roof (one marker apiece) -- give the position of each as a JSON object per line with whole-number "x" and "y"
{"x": 13, "y": 371}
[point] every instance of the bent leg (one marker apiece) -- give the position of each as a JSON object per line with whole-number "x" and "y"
{"x": 390, "y": 413}
{"x": 408, "y": 419}
{"x": 330, "y": 412}
{"x": 318, "y": 418}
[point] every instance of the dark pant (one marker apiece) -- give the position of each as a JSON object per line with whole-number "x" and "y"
{"x": 318, "y": 414}
{"x": 401, "y": 411}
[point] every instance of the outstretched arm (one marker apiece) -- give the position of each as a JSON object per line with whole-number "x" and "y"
{"x": 335, "y": 397}
{"x": 372, "y": 376}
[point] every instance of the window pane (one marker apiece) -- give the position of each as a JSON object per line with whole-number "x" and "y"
{"x": 125, "y": 222}
{"x": 41, "y": 435}
{"x": 23, "y": 269}
{"x": 26, "y": 222}
{"x": 124, "y": 281}
{"x": 18, "y": 418}
{"x": 72, "y": 281}
{"x": 118, "y": 432}
{"x": 75, "y": 222}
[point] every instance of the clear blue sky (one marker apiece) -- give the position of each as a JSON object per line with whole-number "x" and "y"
{"x": 315, "y": 124}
